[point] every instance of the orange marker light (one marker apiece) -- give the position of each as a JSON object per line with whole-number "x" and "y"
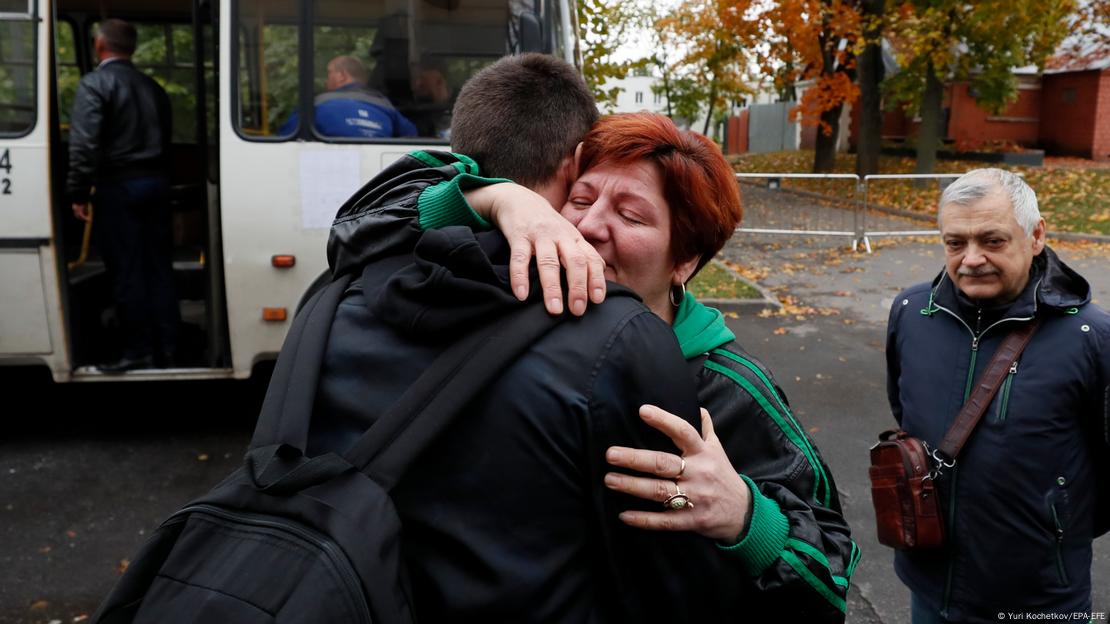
{"x": 283, "y": 262}
{"x": 273, "y": 314}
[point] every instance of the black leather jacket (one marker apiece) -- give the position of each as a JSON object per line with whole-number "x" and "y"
{"x": 120, "y": 127}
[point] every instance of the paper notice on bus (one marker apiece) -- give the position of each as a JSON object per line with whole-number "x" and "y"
{"x": 328, "y": 178}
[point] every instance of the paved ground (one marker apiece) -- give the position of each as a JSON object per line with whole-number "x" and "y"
{"x": 88, "y": 469}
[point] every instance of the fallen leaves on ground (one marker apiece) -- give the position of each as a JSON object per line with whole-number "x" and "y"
{"x": 1070, "y": 191}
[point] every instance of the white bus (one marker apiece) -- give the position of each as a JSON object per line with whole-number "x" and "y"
{"x": 254, "y": 189}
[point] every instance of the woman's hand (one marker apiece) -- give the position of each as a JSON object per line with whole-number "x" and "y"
{"x": 721, "y": 499}
{"x": 534, "y": 228}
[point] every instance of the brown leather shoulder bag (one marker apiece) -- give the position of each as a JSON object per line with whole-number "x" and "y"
{"x": 904, "y": 469}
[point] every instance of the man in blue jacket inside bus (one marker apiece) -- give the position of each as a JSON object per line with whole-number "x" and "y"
{"x": 350, "y": 108}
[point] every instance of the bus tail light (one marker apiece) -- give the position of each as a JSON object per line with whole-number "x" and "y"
{"x": 273, "y": 314}
{"x": 283, "y": 262}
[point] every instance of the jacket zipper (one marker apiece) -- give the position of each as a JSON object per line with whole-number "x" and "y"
{"x": 1060, "y": 570}
{"x": 951, "y": 528}
{"x": 1004, "y": 402}
{"x": 339, "y": 561}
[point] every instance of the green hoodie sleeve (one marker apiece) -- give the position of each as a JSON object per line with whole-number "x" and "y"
{"x": 444, "y": 204}
{"x": 765, "y": 536}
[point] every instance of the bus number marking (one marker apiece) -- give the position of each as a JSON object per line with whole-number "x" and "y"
{"x": 6, "y": 165}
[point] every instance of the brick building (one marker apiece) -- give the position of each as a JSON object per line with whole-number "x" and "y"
{"x": 1065, "y": 110}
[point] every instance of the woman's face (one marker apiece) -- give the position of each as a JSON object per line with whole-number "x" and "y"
{"x": 621, "y": 211}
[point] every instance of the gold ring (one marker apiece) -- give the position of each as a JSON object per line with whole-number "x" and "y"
{"x": 682, "y": 468}
{"x": 678, "y": 500}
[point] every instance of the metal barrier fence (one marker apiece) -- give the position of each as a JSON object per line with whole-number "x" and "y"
{"x": 866, "y": 234}
{"x": 815, "y": 221}
{"x": 825, "y": 222}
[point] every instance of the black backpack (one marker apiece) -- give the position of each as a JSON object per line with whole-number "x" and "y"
{"x": 292, "y": 539}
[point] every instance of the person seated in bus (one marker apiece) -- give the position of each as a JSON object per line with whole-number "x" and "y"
{"x": 352, "y": 109}
{"x": 431, "y": 99}
{"x": 119, "y": 142}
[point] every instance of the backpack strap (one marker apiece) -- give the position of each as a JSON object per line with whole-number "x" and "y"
{"x": 450, "y": 384}
{"x": 289, "y": 399}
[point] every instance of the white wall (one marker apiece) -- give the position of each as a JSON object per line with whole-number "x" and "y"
{"x": 634, "y": 87}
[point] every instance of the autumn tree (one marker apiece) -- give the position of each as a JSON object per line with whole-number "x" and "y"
{"x": 981, "y": 42}
{"x": 1089, "y": 29}
{"x": 603, "y": 26}
{"x": 815, "y": 40}
{"x": 714, "y": 45}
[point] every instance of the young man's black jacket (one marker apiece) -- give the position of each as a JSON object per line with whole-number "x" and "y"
{"x": 120, "y": 127}
{"x": 1031, "y": 488}
{"x": 506, "y": 517}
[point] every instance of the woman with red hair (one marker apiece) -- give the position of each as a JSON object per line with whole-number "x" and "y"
{"x": 657, "y": 203}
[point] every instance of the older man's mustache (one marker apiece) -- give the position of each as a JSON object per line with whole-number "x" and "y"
{"x": 977, "y": 271}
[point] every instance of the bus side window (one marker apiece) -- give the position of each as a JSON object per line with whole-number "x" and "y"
{"x": 268, "y": 68}
{"x": 17, "y": 73}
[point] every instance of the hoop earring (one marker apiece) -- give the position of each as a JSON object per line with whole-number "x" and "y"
{"x": 677, "y": 301}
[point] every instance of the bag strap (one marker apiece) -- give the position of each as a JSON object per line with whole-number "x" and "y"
{"x": 981, "y": 397}
{"x": 287, "y": 408}
{"x": 451, "y": 383}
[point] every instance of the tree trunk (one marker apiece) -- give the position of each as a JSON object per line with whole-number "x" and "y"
{"x": 662, "y": 65}
{"x": 667, "y": 95}
{"x": 712, "y": 98}
{"x": 870, "y": 116}
{"x": 824, "y": 154}
{"x": 928, "y": 135}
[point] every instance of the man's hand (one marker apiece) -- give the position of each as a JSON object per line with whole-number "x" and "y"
{"x": 82, "y": 211}
{"x": 534, "y": 228}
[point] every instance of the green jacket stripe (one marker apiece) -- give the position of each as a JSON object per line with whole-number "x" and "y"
{"x": 791, "y": 430}
{"x": 815, "y": 582}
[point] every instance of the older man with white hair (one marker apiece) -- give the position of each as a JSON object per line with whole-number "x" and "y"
{"x": 1031, "y": 487}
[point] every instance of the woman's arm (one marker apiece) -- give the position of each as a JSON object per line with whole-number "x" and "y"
{"x": 428, "y": 190}
{"x": 534, "y": 228}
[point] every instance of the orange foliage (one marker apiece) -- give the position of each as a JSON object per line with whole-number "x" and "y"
{"x": 817, "y": 40}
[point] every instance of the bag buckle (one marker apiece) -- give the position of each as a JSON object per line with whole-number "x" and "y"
{"x": 941, "y": 461}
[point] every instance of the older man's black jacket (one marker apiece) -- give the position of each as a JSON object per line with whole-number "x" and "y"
{"x": 1031, "y": 488}
{"x": 506, "y": 517}
{"x": 120, "y": 127}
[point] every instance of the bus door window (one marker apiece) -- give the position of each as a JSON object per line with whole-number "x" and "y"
{"x": 17, "y": 75}
{"x": 165, "y": 53}
{"x": 68, "y": 72}
{"x": 268, "y": 68}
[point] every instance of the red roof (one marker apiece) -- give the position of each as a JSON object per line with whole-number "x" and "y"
{"x": 1080, "y": 53}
